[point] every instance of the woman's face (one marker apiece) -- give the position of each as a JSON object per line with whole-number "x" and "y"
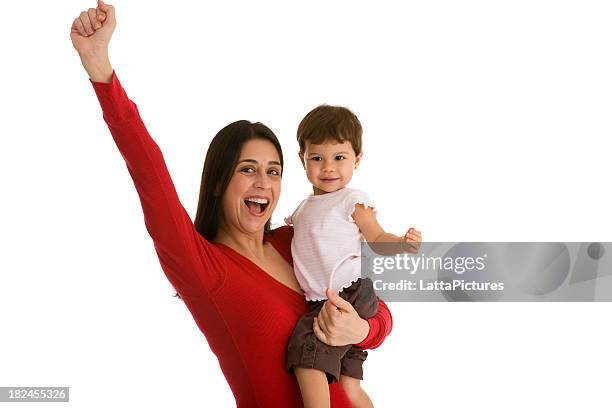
{"x": 253, "y": 191}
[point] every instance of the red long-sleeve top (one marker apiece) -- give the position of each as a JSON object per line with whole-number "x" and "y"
{"x": 246, "y": 315}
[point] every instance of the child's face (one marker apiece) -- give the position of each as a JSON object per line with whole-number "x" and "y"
{"x": 329, "y": 166}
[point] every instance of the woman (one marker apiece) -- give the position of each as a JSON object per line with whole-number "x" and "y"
{"x": 232, "y": 272}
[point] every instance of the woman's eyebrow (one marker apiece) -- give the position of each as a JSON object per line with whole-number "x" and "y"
{"x": 273, "y": 162}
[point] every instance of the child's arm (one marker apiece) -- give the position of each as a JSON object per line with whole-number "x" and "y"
{"x": 365, "y": 218}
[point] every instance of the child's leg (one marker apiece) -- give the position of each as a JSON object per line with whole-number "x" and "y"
{"x": 313, "y": 386}
{"x": 352, "y": 386}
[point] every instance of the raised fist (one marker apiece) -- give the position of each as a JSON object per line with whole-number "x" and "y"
{"x": 91, "y": 31}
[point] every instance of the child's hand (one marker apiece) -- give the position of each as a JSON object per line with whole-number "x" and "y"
{"x": 413, "y": 237}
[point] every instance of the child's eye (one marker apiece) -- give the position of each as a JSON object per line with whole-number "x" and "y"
{"x": 315, "y": 158}
{"x": 339, "y": 157}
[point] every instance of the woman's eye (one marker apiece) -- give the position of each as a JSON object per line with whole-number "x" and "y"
{"x": 274, "y": 172}
{"x": 248, "y": 170}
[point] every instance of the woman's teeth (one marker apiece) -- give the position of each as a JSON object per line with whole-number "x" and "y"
{"x": 256, "y": 205}
{"x": 258, "y": 200}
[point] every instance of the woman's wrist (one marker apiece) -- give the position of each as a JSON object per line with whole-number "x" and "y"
{"x": 98, "y": 66}
{"x": 364, "y": 330}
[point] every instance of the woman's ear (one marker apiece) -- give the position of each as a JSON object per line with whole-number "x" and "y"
{"x": 358, "y": 159}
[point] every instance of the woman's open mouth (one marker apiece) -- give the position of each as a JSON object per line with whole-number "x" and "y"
{"x": 256, "y": 205}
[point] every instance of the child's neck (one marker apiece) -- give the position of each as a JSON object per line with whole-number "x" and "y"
{"x": 317, "y": 191}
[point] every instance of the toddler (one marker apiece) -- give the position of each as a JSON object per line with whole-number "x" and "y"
{"x": 328, "y": 229}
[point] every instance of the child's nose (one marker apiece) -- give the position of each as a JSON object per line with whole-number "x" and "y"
{"x": 328, "y": 167}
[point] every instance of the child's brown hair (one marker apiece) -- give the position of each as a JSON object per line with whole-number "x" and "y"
{"x": 327, "y": 122}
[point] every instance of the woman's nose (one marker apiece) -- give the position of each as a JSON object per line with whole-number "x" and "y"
{"x": 261, "y": 181}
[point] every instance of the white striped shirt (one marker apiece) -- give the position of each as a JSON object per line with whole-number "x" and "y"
{"x": 326, "y": 245}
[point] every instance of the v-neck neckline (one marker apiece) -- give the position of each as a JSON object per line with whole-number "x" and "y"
{"x": 261, "y": 271}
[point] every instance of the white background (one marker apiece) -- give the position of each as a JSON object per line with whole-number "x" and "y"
{"x": 483, "y": 120}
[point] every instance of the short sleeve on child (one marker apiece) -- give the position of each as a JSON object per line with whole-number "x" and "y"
{"x": 356, "y": 197}
{"x": 291, "y": 219}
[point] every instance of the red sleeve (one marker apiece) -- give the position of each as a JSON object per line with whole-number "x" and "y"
{"x": 380, "y": 327}
{"x": 174, "y": 236}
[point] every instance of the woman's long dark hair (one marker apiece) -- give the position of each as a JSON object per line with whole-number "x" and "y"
{"x": 219, "y": 165}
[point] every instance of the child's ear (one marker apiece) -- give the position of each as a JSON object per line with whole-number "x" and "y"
{"x": 302, "y": 159}
{"x": 358, "y": 159}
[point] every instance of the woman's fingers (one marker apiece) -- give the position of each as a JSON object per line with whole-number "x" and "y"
{"x": 318, "y": 332}
{"x": 108, "y": 10}
{"x": 88, "y": 22}
{"x": 77, "y": 26}
{"x": 323, "y": 319}
{"x": 100, "y": 15}
{"x": 84, "y": 17}
{"x": 322, "y": 324}
{"x": 337, "y": 303}
{"x": 73, "y": 27}
{"x": 104, "y": 7}
{"x": 93, "y": 18}
{"x": 330, "y": 311}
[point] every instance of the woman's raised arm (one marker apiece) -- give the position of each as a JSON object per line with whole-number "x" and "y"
{"x": 178, "y": 245}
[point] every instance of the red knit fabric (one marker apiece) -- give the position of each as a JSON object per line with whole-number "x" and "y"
{"x": 245, "y": 314}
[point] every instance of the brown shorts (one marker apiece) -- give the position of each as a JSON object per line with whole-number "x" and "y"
{"x": 305, "y": 350}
